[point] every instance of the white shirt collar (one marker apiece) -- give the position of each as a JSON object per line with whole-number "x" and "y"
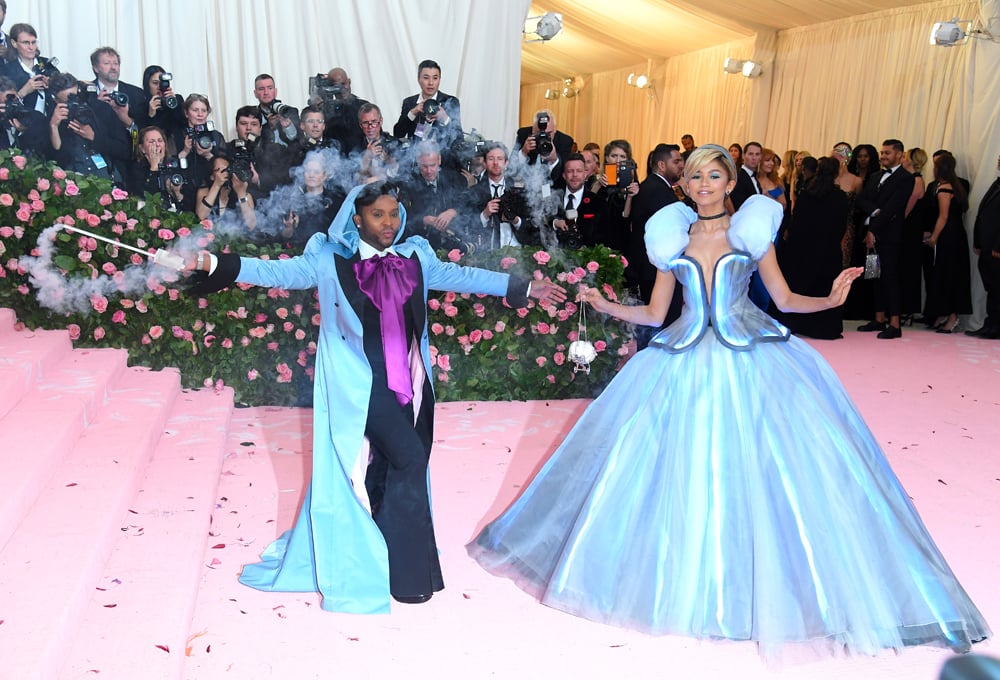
{"x": 577, "y": 197}
{"x": 366, "y": 250}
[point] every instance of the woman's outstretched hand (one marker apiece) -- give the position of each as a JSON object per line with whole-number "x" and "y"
{"x": 842, "y": 285}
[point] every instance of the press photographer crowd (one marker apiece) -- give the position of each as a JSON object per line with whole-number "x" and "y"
{"x": 287, "y": 171}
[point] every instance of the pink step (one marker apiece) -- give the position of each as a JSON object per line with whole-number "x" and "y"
{"x": 24, "y": 357}
{"x": 60, "y": 405}
{"x": 7, "y": 319}
{"x": 53, "y": 561}
{"x": 156, "y": 564}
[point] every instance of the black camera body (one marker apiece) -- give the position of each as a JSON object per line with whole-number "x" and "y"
{"x": 201, "y": 135}
{"x": 275, "y": 108}
{"x": 543, "y": 141}
{"x": 45, "y": 67}
{"x": 432, "y": 107}
{"x": 119, "y": 98}
{"x": 241, "y": 163}
{"x": 171, "y": 101}
{"x": 512, "y": 204}
{"x": 78, "y": 110}
{"x": 172, "y": 172}
{"x": 330, "y": 93}
{"x": 626, "y": 173}
{"x": 14, "y": 108}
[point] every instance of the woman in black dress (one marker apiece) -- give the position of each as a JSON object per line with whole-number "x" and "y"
{"x": 950, "y": 291}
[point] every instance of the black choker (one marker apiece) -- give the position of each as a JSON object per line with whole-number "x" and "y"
{"x": 712, "y": 217}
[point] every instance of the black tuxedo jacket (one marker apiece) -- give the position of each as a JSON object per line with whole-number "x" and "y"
{"x": 654, "y": 193}
{"x": 986, "y": 233}
{"x": 589, "y": 218}
{"x": 138, "y": 102}
{"x": 889, "y": 198}
{"x": 421, "y": 201}
{"x": 405, "y": 127}
{"x": 12, "y": 69}
{"x": 745, "y": 188}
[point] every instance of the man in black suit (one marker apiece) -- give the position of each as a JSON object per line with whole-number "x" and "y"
{"x": 579, "y": 213}
{"x": 530, "y": 140}
{"x": 20, "y": 127}
{"x": 432, "y": 114}
{"x": 279, "y": 122}
{"x": 6, "y": 51}
{"x": 498, "y": 222}
{"x": 746, "y": 178}
{"x": 341, "y": 107}
{"x": 884, "y": 199}
{"x": 435, "y": 199}
{"x": 126, "y": 102}
{"x": 659, "y": 189}
{"x": 986, "y": 244}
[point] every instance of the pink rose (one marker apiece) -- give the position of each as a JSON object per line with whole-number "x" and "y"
{"x": 126, "y": 303}
{"x": 6, "y": 232}
{"x": 43, "y": 184}
{"x": 624, "y": 261}
{"x": 136, "y": 258}
{"x": 451, "y": 311}
{"x": 118, "y": 194}
{"x": 99, "y": 333}
{"x": 272, "y": 347}
{"x": 443, "y": 377}
{"x": 444, "y": 362}
{"x": 479, "y": 310}
{"x": 300, "y": 334}
{"x": 37, "y": 205}
{"x": 449, "y": 297}
{"x": 6, "y": 200}
{"x": 543, "y": 328}
{"x": 260, "y": 318}
{"x": 120, "y": 216}
{"x": 74, "y": 331}
{"x": 252, "y": 374}
{"x": 315, "y": 319}
{"x": 573, "y": 336}
{"x": 464, "y": 341}
{"x": 173, "y": 294}
{"x": 551, "y": 378}
{"x": 140, "y": 305}
{"x": 507, "y": 262}
{"x": 118, "y": 317}
{"x": 592, "y": 266}
{"x": 476, "y": 335}
{"x": 257, "y": 332}
{"x": 600, "y": 345}
{"x": 99, "y": 303}
{"x": 500, "y": 327}
{"x": 146, "y": 339}
{"x": 522, "y": 312}
{"x": 227, "y": 343}
{"x": 4, "y": 174}
{"x": 59, "y": 173}
{"x": 72, "y": 189}
{"x": 108, "y": 268}
{"x": 19, "y": 161}
{"x": 24, "y": 212}
{"x": 559, "y": 358}
{"x": 284, "y": 373}
{"x": 437, "y": 329}
{"x": 288, "y": 326}
{"x": 301, "y": 360}
{"x": 542, "y": 257}
{"x": 487, "y": 334}
{"x": 93, "y": 220}
{"x": 177, "y": 331}
{"x": 104, "y": 200}
{"x": 183, "y": 231}
{"x": 449, "y": 331}
{"x": 511, "y": 356}
{"x": 165, "y": 234}
{"x": 434, "y": 304}
{"x": 454, "y": 255}
{"x": 541, "y": 361}
{"x": 281, "y": 313}
{"x": 297, "y": 309}
{"x": 23, "y": 289}
{"x": 202, "y": 303}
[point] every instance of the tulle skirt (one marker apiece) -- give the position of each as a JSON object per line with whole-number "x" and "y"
{"x": 731, "y": 494}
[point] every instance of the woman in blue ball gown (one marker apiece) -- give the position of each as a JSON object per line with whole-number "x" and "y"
{"x": 688, "y": 501}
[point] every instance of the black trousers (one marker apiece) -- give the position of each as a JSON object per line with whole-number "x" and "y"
{"x": 989, "y": 270}
{"x": 396, "y": 482}
{"x": 887, "y": 289}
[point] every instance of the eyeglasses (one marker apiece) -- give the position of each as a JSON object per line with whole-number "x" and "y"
{"x": 371, "y": 123}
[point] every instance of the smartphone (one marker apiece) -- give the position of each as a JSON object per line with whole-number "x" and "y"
{"x": 611, "y": 171}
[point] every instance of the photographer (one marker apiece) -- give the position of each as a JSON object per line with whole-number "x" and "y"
{"x": 617, "y": 185}
{"x": 223, "y": 194}
{"x": 81, "y": 140}
{"x": 378, "y": 157}
{"x": 501, "y": 217}
{"x": 261, "y": 163}
{"x": 156, "y": 172}
{"x": 117, "y": 102}
{"x": 279, "y": 121}
{"x": 332, "y": 94}
{"x": 165, "y": 109}
{"x": 29, "y": 71}
{"x": 435, "y": 199}
{"x": 431, "y": 114}
{"x": 579, "y": 213}
{"x": 310, "y": 137}
{"x": 20, "y": 127}
{"x": 542, "y": 142}
{"x": 198, "y": 140}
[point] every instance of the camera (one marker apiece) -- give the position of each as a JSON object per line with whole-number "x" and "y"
{"x": 543, "y": 142}
{"x": 275, "y": 108}
{"x": 119, "y": 98}
{"x": 78, "y": 111}
{"x": 171, "y": 101}
{"x": 512, "y": 204}
{"x": 241, "y": 164}
{"x": 624, "y": 173}
{"x": 571, "y": 237}
{"x": 329, "y": 93}
{"x": 172, "y": 172}
{"x": 431, "y": 107}
{"x": 45, "y": 67}
{"x": 201, "y": 135}
{"x": 14, "y": 108}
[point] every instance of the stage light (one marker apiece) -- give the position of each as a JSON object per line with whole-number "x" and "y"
{"x": 950, "y": 33}
{"x": 733, "y": 65}
{"x": 548, "y": 26}
{"x": 752, "y": 69}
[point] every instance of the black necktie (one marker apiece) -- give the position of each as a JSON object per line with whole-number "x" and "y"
{"x": 496, "y": 191}
{"x": 569, "y": 202}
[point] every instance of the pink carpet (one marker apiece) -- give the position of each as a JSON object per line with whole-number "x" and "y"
{"x": 933, "y": 401}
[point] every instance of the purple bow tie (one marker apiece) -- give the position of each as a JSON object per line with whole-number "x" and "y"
{"x": 389, "y": 281}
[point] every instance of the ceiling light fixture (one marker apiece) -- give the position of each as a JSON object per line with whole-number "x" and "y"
{"x": 956, "y": 32}
{"x": 549, "y": 24}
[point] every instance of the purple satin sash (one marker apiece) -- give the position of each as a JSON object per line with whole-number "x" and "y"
{"x": 389, "y": 281}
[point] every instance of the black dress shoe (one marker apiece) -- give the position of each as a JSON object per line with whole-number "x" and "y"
{"x": 412, "y": 599}
{"x": 872, "y": 326}
{"x": 890, "y": 333}
{"x": 984, "y": 332}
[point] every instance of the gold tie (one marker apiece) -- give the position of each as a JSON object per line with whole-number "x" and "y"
{"x": 679, "y": 193}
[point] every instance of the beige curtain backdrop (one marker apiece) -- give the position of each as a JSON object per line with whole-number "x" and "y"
{"x": 217, "y": 47}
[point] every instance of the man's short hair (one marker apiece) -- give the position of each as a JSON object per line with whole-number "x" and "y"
{"x": 427, "y": 148}
{"x": 490, "y": 146}
{"x": 247, "y": 112}
{"x": 574, "y": 157}
{"x": 311, "y": 109}
{"x": 368, "y": 107}
{"x": 663, "y": 152}
{"x": 683, "y": 137}
{"x": 62, "y": 81}
{"x": 749, "y": 144}
{"x": 895, "y": 144}
{"x": 427, "y": 63}
{"x": 95, "y": 56}
{"x": 262, "y": 76}
{"x": 3, "y": 6}
{"x": 6, "y": 83}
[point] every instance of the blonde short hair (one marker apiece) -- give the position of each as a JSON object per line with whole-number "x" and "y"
{"x": 705, "y": 154}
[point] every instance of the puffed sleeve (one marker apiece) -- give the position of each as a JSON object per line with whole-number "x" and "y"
{"x": 755, "y": 225}
{"x": 667, "y": 233}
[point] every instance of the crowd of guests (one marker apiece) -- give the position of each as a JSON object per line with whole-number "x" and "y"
{"x": 285, "y": 174}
